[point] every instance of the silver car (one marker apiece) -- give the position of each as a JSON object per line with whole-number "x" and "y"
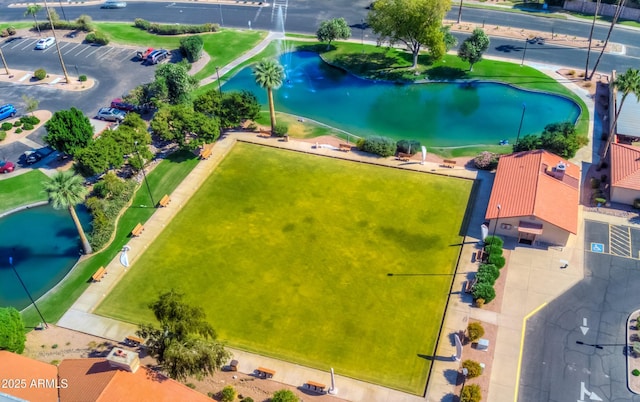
{"x": 45, "y": 43}
{"x": 113, "y": 4}
{"x": 110, "y": 114}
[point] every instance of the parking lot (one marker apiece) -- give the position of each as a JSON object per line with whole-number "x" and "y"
{"x": 113, "y": 68}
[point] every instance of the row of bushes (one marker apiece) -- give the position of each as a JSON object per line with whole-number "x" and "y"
{"x": 486, "y": 161}
{"x": 10, "y": 31}
{"x": 25, "y": 123}
{"x": 83, "y": 23}
{"x": 385, "y": 146}
{"x": 173, "y": 29}
{"x": 483, "y": 291}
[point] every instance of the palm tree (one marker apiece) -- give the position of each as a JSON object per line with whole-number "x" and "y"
{"x": 269, "y": 74}
{"x": 627, "y": 83}
{"x": 614, "y": 20}
{"x": 33, "y": 10}
{"x": 66, "y": 190}
{"x": 593, "y": 24}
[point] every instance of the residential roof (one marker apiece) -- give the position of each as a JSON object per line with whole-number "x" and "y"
{"x": 40, "y": 379}
{"x": 625, "y": 166}
{"x": 529, "y": 184}
{"x": 629, "y": 120}
{"x": 97, "y": 380}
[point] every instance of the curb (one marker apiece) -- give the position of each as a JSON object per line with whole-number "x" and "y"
{"x": 628, "y": 351}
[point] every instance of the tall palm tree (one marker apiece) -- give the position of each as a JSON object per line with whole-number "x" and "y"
{"x": 627, "y": 83}
{"x": 269, "y": 74}
{"x": 33, "y": 9}
{"x": 66, "y": 190}
{"x": 593, "y": 24}
{"x": 614, "y": 20}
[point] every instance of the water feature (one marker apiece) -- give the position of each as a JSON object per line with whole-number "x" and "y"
{"x": 436, "y": 114}
{"x": 284, "y": 49}
{"x": 44, "y": 244}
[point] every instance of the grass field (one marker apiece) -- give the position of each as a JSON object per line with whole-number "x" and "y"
{"x": 289, "y": 255}
{"x": 21, "y": 190}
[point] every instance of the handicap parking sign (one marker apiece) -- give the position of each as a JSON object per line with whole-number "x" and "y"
{"x": 597, "y": 248}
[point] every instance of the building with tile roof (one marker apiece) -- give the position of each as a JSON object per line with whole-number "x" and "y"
{"x": 25, "y": 379}
{"x": 625, "y": 173}
{"x": 535, "y": 198}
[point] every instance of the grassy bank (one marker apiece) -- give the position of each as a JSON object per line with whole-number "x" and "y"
{"x": 22, "y": 190}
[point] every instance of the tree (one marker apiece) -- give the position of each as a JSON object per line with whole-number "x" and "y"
{"x": 232, "y": 108}
{"x": 627, "y": 83}
{"x": 101, "y": 155}
{"x": 186, "y": 127}
{"x": 269, "y": 74}
{"x": 177, "y": 80}
{"x": 33, "y": 9}
{"x": 416, "y": 23}
{"x": 12, "y": 334}
{"x": 330, "y": 30}
{"x": 30, "y": 103}
{"x": 66, "y": 190}
{"x": 558, "y": 138}
{"x": 284, "y": 395}
{"x": 184, "y": 343}
{"x": 228, "y": 394}
{"x": 473, "y": 47}
{"x": 191, "y": 47}
{"x": 614, "y": 21}
{"x": 450, "y": 41}
{"x": 68, "y": 131}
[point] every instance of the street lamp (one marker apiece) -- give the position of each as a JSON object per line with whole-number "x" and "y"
{"x": 27, "y": 291}
{"x": 524, "y": 108}
{"x": 496, "y": 226}
{"x": 465, "y": 373}
{"x": 218, "y": 75}
{"x": 135, "y": 144}
{"x": 526, "y": 42}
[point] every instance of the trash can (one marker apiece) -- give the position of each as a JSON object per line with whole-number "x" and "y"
{"x": 286, "y": 138}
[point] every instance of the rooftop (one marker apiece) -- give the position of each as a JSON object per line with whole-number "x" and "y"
{"x": 625, "y": 166}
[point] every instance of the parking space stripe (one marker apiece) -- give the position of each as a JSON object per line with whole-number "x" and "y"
{"x": 80, "y": 52}
{"x": 105, "y": 54}
{"x": 63, "y": 45}
{"x": 13, "y": 42}
{"x": 92, "y": 52}
{"x": 70, "y": 50}
{"x": 31, "y": 43}
{"x": 620, "y": 241}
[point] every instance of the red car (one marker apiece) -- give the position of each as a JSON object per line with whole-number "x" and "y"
{"x": 6, "y": 167}
{"x": 142, "y": 56}
{"x": 124, "y": 106}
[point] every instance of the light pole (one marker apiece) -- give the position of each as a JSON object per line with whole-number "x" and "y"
{"x": 465, "y": 373}
{"x": 135, "y": 144}
{"x": 493, "y": 237}
{"x": 218, "y": 75}
{"x": 4, "y": 62}
{"x": 27, "y": 291}
{"x": 524, "y": 108}
{"x": 526, "y": 42}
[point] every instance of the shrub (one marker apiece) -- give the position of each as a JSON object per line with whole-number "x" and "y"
{"x": 479, "y": 303}
{"x": 497, "y": 260}
{"x": 97, "y": 37}
{"x": 228, "y": 394}
{"x": 408, "y": 146}
{"x": 82, "y": 78}
{"x": 17, "y": 123}
{"x": 40, "y": 74}
{"x": 27, "y": 127}
{"x": 495, "y": 240}
{"x": 595, "y": 183}
{"x": 489, "y": 269}
{"x": 4, "y": 34}
{"x": 33, "y": 120}
{"x": 6, "y": 126}
{"x": 382, "y": 146}
{"x": 281, "y": 129}
{"x": 191, "y": 385}
{"x": 486, "y": 161}
{"x": 104, "y": 213}
{"x": 18, "y": 131}
{"x": 635, "y": 372}
{"x": 3, "y": 135}
{"x": 471, "y": 393}
{"x": 142, "y": 24}
{"x": 54, "y": 346}
{"x": 180, "y": 29}
{"x": 475, "y": 330}
{"x": 484, "y": 291}
{"x": 11, "y": 31}
{"x": 473, "y": 368}
{"x": 493, "y": 249}
{"x": 247, "y": 399}
{"x": 85, "y": 23}
{"x": 191, "y": 48}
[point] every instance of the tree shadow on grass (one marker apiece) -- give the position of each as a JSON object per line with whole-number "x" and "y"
{"x": 319, "y": 48}
{"x": 446, "y": 73}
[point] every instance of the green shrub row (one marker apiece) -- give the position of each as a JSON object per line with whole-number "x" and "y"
{"x": 385, "y": 146}
{"x": 98, "y": 37}
{"x": 483, "y": 291}
{"x": 173, "y": 29}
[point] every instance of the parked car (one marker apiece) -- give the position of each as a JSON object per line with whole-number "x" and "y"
{"x": 157, "y": 56}
{"x": 36, "y": 155}
{"x": 45, "y": 43}
{"x": 142, "y": 56}
{"x": 113, "y": 4}
{"x": 124, "y": 106}
{"x": 110, "y": 114}
{"x": 7, "y": 111}
{"x": 6, "y": 167}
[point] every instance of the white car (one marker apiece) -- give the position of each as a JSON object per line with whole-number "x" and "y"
{"x": 45, "y": 43}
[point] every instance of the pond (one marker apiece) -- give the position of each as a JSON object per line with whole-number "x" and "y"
{"x": 436, "y": 114}
{"x": 44, "y": 245}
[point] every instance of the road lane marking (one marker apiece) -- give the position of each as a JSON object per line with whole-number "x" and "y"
{"x": 31, "y": 44}
{"x": 524, "y": 331}
{"x": 584, "y": 327}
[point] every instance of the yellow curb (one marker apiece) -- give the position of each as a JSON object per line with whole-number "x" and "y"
{"x": 524, "y": 330}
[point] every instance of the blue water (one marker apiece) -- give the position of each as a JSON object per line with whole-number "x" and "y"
{"x": 44, "y": 244}
{"x": 436, "y": 114}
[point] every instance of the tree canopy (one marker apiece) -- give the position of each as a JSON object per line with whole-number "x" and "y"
{"x": 232, "y": 108}
{"x": 284, "y": 395}
{"x": 333, "y": 29}
{"x": 12, "y": 335}
{"x": 558, "y": 138}
{"x": 269, "y": 74}
{"x": 474, "y": 47}
{"x": 184, "y": 343}
{"x": 416, "y": 23}
{"x": 68, "y": 131}
{"x": 186, "y": 127}
{"x": 177, "y": 81}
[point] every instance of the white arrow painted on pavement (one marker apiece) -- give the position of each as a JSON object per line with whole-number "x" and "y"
{"x": 584, "y": 327}
{"x": 584, "y": 393}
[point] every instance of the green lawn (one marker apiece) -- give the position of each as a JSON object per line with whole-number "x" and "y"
{"x": 289, "y": 255}
{"x": 21, "y": 190}
{"x": 162, "y": 180}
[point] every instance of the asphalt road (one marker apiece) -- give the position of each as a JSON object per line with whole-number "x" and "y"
{"x": 594, "y": 312}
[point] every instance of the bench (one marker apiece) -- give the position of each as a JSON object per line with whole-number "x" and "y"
{"x": 448, "y": 163}
{"x": 133, "y": 341}
{"x": 403, "y": 157}
{"x": 264, "y": 133}
{"x": 470, "y": 284}
{"x": 265, "y": 372}
{"x": 99, "y": 274}
{"x": 137, "y": 230}
{"x": 344, "y": 147}
{"x": 205, "y": 153}
{"x": 164, "y": 201}
{"x": 481, "y": 256}
{"x": 315, "y": 386}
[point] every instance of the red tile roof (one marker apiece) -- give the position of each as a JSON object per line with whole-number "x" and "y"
{"x": 40, "y": 379}
{"x": 625, "y": 166}
{"x": 525, "y": 185}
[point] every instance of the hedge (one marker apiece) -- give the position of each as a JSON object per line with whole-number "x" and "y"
{"x": 496, "y": 260}
{"x": 382, "y": 146}
{"x": 97, "y": 37}
{"x": 484, "y": 291}
{"x": 408, "y": 146}
{"x": 173, "y": 29}
{"x": 494, "y": 240}
{"x": 105, "y": 212}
